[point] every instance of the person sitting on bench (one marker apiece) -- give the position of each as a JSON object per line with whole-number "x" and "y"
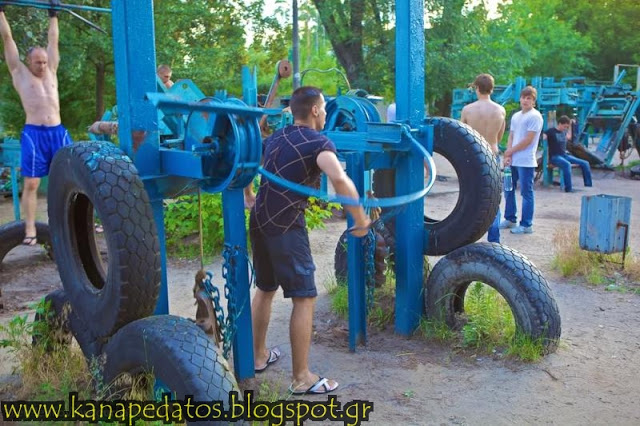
{"x": 558, "y": 156}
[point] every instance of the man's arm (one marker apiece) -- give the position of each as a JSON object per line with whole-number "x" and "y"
{"x": 52, "y": 47}
{"x": 463, "y": 115}
{"x": 528, "y": 140}
{"x": 508, "y": 152}
{"x": 329, "y": 164}
{"x": 10, "y": 49}
{"x": 503, "y": 127}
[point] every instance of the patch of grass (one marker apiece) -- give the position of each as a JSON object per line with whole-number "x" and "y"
{"x": 596, "y": 268}
{"x": 628, "y": 165}
{"x": 49, "y": 370}
{"x": 525, "y": 348}
{"x": 339, "y": 298}
{"x": 436, "y": 330}
{"x": 490, "y": 321}
{"x": 269, "y": 391}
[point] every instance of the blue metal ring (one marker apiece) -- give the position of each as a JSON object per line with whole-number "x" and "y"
{"x": 364, "y": 201}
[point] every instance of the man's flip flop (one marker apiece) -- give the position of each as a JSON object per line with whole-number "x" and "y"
{"x": 318, "y": 388}
{"x": 274, "y": 355}
{"x": 30, "y": 241}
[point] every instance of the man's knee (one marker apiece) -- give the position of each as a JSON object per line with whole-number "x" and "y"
{"x": 304, "y": 301}
{"x": 31, "y": 184}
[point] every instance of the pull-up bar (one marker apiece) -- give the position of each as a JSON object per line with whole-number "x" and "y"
{"x": 61, "y": 7}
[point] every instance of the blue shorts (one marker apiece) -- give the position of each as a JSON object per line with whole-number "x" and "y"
{"x": 284, "y": 261}
{"x": 38, "y": 146}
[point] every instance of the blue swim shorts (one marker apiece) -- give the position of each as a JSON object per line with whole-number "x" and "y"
{"x": 38, "y": 146}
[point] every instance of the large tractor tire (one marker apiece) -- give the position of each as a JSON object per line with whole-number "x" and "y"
{"x": 511, "y": 274}
{"x": 177, "y": 352}
{"x": 98, "y": 176}
{"x": 12, "y": 234}
{"x": 478, "y": 172}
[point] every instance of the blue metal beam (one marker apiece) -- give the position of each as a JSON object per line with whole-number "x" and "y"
{"x": 410, "y": 91}
{"x": 135, "y": 69}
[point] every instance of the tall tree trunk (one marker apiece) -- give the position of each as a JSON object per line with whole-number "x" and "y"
{"x": 344, "y": 26}
{"x": 100, "y": 76}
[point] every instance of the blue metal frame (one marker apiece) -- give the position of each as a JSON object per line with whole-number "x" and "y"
{"x": 182, "y": 157}
{"x": 410, "y": 100}
{"x": 10, "y": 157}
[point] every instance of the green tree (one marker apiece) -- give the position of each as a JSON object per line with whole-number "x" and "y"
{"x": 612, "y": 27}
{"x": 359, "y": 34}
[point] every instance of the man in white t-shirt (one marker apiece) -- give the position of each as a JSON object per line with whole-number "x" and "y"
{"x": 391, "y": 112}
{"x": 524, "y": 134}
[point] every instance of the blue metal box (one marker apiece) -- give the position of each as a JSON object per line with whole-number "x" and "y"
{"x": 604, "y": 223}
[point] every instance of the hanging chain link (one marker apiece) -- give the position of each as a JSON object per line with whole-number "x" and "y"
{"x": 370, "y": 268}
{"x": 227, "y": 323}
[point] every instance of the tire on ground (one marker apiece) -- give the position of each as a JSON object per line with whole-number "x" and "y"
{"x": 12, "y": 234}
{"x": 98, "y": 175}
{"x": 517, "y": 280}
{"x": 480, "y": 187}
{"x": 175, "y": 351}
{"x": 61, "y": 325}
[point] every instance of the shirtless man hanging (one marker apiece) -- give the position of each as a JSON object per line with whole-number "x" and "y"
{"x": 487, "y": 118}
{"x": 37, "y": 84}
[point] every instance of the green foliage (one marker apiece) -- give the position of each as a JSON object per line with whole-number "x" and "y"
{"x": 208, "y": 41}
{"x": 182, "y": 223}
{"x": 318, "y": 211}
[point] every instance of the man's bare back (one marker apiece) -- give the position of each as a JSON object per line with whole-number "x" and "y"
{"x": 487, "y": 118}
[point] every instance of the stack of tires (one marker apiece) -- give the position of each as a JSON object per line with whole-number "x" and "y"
{"x": 107, "y": 305}
{"x": 519, "y": 282}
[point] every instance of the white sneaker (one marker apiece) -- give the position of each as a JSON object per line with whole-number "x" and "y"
{"x": 522, "y": 230}
{"x": 507, "y": 224}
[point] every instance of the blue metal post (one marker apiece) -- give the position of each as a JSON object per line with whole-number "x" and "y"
{"x": 355, "y": 259}
{"x": 15, "y": 192}
{"x": 410, "y": 89}
{"x": 162, "y": 306}
{"x": 235, "y": 235}
{"x": 135, "y": 64}
{"x": 249, "y": 86}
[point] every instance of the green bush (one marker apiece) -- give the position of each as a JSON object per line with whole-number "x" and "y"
{"x": 181, "y": 223}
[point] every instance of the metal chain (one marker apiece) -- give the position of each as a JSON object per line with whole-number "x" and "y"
{"x": 227, "y": 323}
{"x": 370, "y": 268}
{"x": 228, "y": 269}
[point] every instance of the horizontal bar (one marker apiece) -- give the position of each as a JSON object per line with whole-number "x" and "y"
{"x": 170, "y": 104}
{"x": 181, "y": 163}
{"x": 39, "y": 5}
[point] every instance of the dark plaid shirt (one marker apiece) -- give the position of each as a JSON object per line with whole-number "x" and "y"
{"x": 290, "y": 153}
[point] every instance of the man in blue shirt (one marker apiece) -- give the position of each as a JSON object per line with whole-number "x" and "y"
{"x": 557, "y": 141}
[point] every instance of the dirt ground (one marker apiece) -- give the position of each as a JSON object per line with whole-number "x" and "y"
{"x": 591, "y": 379}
